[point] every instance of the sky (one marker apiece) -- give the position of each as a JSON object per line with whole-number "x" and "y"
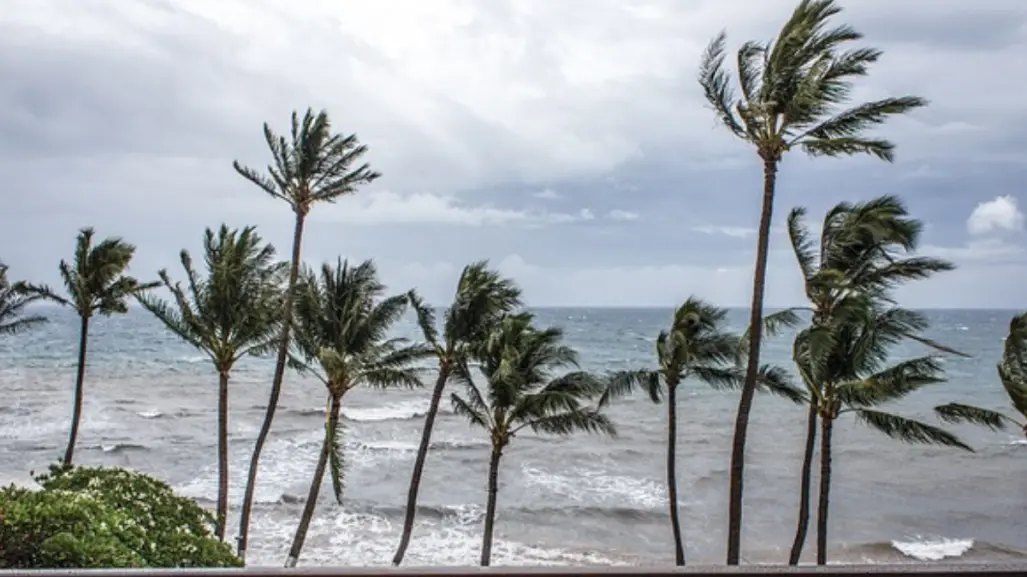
{"x": 565, "y": 141}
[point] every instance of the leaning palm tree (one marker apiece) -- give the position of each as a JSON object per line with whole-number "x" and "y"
{"x": 864, "y": 248}
{"x": 313, "y": 166}
{"x": 698, "y": 345}
{"x": 231, "y": 313}
{"x": 1012, "y": 372}
{"x": 343, "y": 321}
{"x": 843, "y": 363}
{"x": 521, "y": 368}
{"x": 13, "y": 300}
{"x": 793, "y": 93}
{"x": 95, "y": 284}
{"x": 482, "y": 298}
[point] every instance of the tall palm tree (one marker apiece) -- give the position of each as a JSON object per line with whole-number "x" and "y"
{"x": 844, "y": 363}
{"x": 1012, "y": 372}
{"x": 13, "y": 300}
{"x": 232, "y": 313}
{"x": 524, "y": 389}
{"x": 793, "y": 92}
{"x": 95, "y": 283}
{"x": 864, "y": 248}
{"x": 343, "y": 321}
{"x": 314, "y": 165}
{"x": 482, "y": 298}
{"x": 698, "y": 346}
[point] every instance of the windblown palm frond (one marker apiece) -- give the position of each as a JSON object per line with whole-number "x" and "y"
{"x": 13, "y": 299}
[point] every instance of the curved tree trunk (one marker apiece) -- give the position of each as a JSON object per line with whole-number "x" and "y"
{"x": 276, "y": 387}
{"x": 422, "y": 455}
{"x": 490, "y": 507}
{"x": 734, "y": 531}
{"x": 672, "y": 481}
{"x": 315, "y": 486}
{"x": 804, "y": 485}
{"x": 222, "y": 512}
{"x": 826, "y": 428}
{"x": 80, "y": 379}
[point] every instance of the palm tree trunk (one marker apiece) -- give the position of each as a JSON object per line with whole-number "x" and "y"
{"x": 276, "y": 386}
{"x": 804, "y": 485}
{"x": 490, "y": 507}
{"x": 222, "y": 513}
{"x": 826, "y": 428}
{"x": 672, "y": 481}
{"x": 422, "y": 455}
{"x": 80, "y": 379}
{"x": 734, "y": 530}
{"x": 315, "y": 486}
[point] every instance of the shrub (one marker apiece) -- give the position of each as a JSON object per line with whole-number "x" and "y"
{"x": 105, "y": 517}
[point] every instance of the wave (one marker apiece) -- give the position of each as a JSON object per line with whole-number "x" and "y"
{"x": 407, "y": 447}
{"x": 118, "y": 448}
{"x": 921, "y": 549}
{"x": 150, "y": 414}
{"x": 396, "y": 412}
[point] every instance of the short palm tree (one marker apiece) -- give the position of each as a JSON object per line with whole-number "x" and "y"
{"x": 793, "y": 93}
{"x": 864, "y": 248}
{"x": 343, "y": 320}
{"x": 844, "y": 364}
{"x": 314, "y": 165}
{"x": 231, "y": 313}
{"x": 698, "y": 345}
{"x": 13, "y": 300}
{"x": 524, "y": 388}
{"x": 482, "y": 297}
{"x": 95, "y": 284}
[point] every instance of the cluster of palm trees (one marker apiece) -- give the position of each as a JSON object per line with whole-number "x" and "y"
{"x": 511, "y": 375}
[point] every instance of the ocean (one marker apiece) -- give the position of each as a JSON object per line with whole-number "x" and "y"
{"x": 150, "y": 405}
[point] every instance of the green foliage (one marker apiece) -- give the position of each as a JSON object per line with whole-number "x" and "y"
{"x": 95, "y": 281}
{"x": 105, "y": 518}
{"x": 791, "y": 91}
{"x": 13, "y": 300}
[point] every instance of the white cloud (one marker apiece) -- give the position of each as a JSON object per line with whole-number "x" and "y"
{"x": 1000, "y": 213}
{"x": 625, "y": 215}
{"x": 547, "y": 194}
{"x": 732, "y": 231}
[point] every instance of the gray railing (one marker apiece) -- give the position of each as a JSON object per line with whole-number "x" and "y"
{"x": 923, "y": 570}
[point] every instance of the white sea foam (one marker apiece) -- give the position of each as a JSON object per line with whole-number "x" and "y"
{"x": 150, "y": 414}
{"x": 394, "y": 412}
{"x": 933, "y": 549}
{"x": 586, "y": 485}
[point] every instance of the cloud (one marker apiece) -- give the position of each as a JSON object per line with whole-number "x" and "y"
{"x": 127, "y": 114}
{"x": 1001, "y": 213}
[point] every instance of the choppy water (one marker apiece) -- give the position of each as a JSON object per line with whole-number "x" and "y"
{"x": 151, "y": 402}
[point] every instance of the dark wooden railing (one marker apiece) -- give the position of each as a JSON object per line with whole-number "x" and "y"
{"x": 938, "y": 570}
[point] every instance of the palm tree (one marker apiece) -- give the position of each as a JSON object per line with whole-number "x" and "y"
{"x": 95, "y": 283}
{"x": 1012, "y": 372}
{"x": 843, "y": 362}
{"x": 482, "y": 298}
{"x": 13, "y": 300}
{"x": 698, "y": 346}
{"x": 313, "y": 166}
{"x": 792, "y": 95}
{"x": 522, "y": 391}
{"x": 232, "y": 313}
{"x": 342, "y": 326}
{"x": 864, "y": 248}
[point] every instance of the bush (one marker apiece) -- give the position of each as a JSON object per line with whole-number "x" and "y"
{"x": 100, "y": 517}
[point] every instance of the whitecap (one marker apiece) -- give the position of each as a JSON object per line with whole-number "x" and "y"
{"x": 933, "y": 549}
{"x": 150, "y": 414}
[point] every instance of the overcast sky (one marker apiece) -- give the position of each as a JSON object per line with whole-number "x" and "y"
{"x": 564, "y": 140}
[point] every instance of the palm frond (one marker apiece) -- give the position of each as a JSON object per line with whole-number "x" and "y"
{"x": 909, "y": 430}
{"x": 716, "y": 84}
{"x": 425, "y": 318}
{"x": 466, "y": 410}
{"x": 583, "y": 420}
{"x": 892, "y": 383}
{"x": 957, "y": 413}
{"x": 776, "y": 381}
{"x": 623, "y": 383}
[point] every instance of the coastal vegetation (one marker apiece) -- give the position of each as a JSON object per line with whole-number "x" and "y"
{"x": 505, "y": 373}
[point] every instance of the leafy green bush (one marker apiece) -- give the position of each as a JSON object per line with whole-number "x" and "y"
{"x": 100, "y": 517}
